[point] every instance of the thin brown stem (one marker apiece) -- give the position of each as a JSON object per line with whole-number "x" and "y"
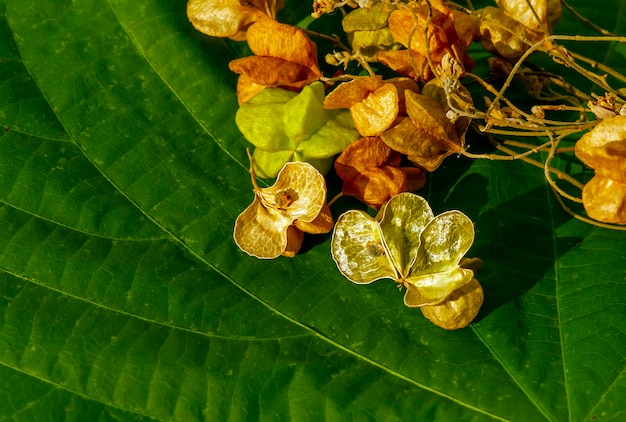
{"x": 567, "y": 58}
{"x": 548, "y": 176}
{"x": 335, "y": 198}
{"x": 433, "y": 68}
{"x": 586, "y": 21}
{"x": 597, "y": 65}
{"x": 586, "y": 219}
{"x": 252, "y": 172}
{"x": 332, "y": 38}
{"x": 561, "y": 175}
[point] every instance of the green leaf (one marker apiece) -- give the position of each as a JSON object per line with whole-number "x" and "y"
{"x": 123, "y": 295}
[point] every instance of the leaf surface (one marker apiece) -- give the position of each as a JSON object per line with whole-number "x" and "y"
{"x": 124, "y": 296}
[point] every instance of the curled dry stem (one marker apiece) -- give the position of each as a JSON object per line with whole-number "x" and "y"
{"x": 513, "y": 155}
{"x": 532, "y": 119}
{"x": 567, "y": 58}
{"x": 334, "y": 38}
{"x": 586, "y": 219}
{"x": 547, "y": 172}
{"x": 597, "y": 65}
{"x": 433, "y": 68}
{"x": 335, "y": 198}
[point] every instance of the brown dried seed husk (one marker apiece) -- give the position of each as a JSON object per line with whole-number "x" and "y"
{"x": 350, "y": 93}
{"x": 431, "y": 117}
{"x": 462, "y": 100}
{"x": 465, "y": 26}
{"x": 416, "y": 144}
{"x": 271, "y": 38}
{"x": 501, "y": 34}
{"x": 604, "y": 148}
{"x": 247, "y": 88}
{"x": 224, "y": 18}
{"x": 604, "y": 200}
{"x": 548, "y": 12}
{"x": 400, "y": 62}
{"x": 370, "y": 172}
{"x": 377, "y": 112}
{"x": 403, "y": 84}
{"x": 460, "y": 308}
{"x": 294, "y": 241}
{"x": 323, "y": 223}
{"x": 261, "y": 232}
{"x": 427, "y": 137}
{"x": 408, "y": 24}
{"x": 378, "y": 185}
{"x": 363, "y": 154}
{"x": 273, "y": 71}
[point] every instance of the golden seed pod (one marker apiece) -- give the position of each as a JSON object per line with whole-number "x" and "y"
{"x": 459, "y": 309}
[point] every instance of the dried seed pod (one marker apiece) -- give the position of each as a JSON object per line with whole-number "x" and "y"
{"x": 407, "y": 244}
{"x": 272, "y": 225}
{"x": 459, "y": 97}
{"x": 604, "y": 149}
{"x": 460, "y": 308}
{"x": 605, "y": 200}
{"x": 367, "y": 30}
{"x": 371, "y": 172}
{"x": 285, "y": 126}
{"x": 283, "y": 56}
{"x": 374, "y": 104}
{"x": 427, "y": 136}
{"x": 229, "y": 18}
{"x": 500, "y": 34}
{"x": 408, "y": 25}
{"x": 533, "y": 14}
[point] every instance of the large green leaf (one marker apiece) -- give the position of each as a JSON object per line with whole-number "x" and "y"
{"x": 123, "y": 295}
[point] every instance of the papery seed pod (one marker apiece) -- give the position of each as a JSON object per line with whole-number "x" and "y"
{"x": 500, "y": 34}
{"x": 230, "y": 18}
{"x": 604, "y": 148}
{"x": 534, "y": 14}
{"x": 459, "y": 309}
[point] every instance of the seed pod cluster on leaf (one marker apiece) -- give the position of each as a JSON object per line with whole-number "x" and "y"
{"x": 287, "y": 126}
{"x": 373, "y": 128}
{"x": 274, "y": 223}
{"x": 604, "y": 149}
{"x": 413, "y": 124}
{"x": 407, "y": 243}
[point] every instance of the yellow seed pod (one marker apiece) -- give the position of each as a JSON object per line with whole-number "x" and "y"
{"x": 604, "y": 148}
{"x": 533, "y": 14}
{"x": 460, "y": 308}
{"x": 407, "y": 244}
{"x": 501, "y": 34}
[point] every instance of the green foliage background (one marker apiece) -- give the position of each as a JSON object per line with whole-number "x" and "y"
{"x": 123, "y": 296}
